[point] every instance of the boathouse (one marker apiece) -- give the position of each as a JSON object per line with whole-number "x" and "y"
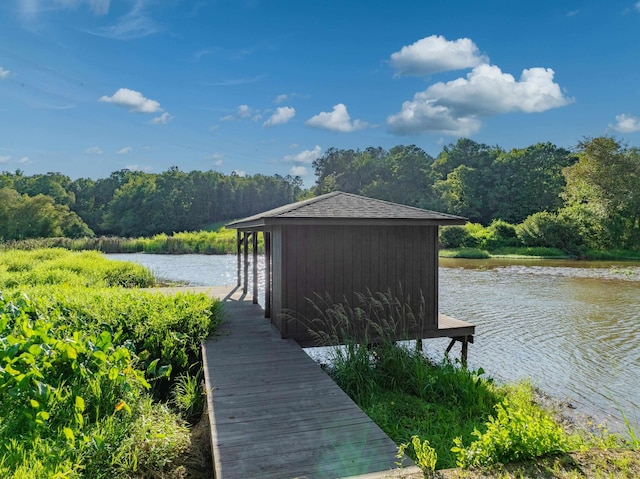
{"x": 339, "y": 245}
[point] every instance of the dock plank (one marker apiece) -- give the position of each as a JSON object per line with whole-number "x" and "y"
{"x": 274, "y": 412}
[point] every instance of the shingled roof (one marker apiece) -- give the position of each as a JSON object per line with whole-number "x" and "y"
{"x": 346, "y": 208}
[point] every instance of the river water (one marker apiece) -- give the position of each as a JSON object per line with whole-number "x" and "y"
{"x": 572, "y": 328}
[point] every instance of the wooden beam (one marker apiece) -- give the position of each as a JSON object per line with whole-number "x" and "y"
{"x": 245, "y": 245}
{"x": 255, "y": 266}
{"x": 267, "y": 274}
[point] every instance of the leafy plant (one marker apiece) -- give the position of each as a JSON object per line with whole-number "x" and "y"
{"x": 518, "y": 430}
{"x": 188, "y": 397}
{"x": 426, "y": 456}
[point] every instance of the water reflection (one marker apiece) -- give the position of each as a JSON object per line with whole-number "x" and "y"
{"x": 572, "y": 327}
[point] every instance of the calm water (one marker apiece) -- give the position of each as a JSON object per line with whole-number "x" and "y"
{"x": 573, "y": 328}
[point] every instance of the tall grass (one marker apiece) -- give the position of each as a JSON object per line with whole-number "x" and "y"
{"x": 60, "y": 267}
{"x": 84, "y": 365}
{"x": 468, "y": 253}
{"x": 415, "y": 400}
{"x": 221, "y": 241}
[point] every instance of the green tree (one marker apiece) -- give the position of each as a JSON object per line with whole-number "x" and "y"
{"x": 23, "y": 216}
{"x": 348, "y": 170}
{"x": 603, "y": 193}
{"x": 404, "y": 176}
{"x": 466, "y": 175}
{"x": 54, "y": 185}
{"x": 527, "y": 181}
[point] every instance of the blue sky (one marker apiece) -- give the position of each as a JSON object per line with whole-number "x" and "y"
{"x": 88, "y": 87}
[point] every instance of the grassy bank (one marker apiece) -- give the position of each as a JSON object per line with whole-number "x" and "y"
{"x": 221, "y": 241}
{"x": 97, "y": 380}
{"x": 445, "y": 416}
{"x": 538, "y": 252}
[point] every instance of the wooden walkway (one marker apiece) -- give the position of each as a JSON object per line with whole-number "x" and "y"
{"x": 275, "y": 413}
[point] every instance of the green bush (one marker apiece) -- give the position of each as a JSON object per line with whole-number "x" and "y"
{"x": 504, "y": 233}
{"x": 518, "y": 430}
{"x": 454, "y": 237}
{"x": 549, "y": 230}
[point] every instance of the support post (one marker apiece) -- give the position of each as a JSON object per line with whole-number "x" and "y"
{"x": 239, "y": 250}
{"x": 245, "y": 245}
{"x": 463, "y": 354}
{"x": 254, "y": 246}
{"x": 465, "y": 340}
{"x": 267, "y": 273}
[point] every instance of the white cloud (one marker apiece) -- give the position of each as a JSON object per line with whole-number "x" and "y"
{"x": 133, "y": 100}
{"x": 282, "y": 115}
{"x": 456, "y": 107}
{"x": 637, "y": 6}
{"x": 241, "y": 173}
{"x": 162, "y": 119}
{"x": 124, "y": 151}
{"x": 299, "y": 171}
{"x": 4, "y": 73}
{"x": 626, "y": 123}
{"x": 281, "y": 98}
{"x": 336, "y": 120}
{"x": 306, "y": 156}
{"x": 4, "y": 159}
{"x": 94, "y": 150}
{"x": 244, "y": 112}
{"x": 436, "y": 54}
{"x": 24, "y": 160}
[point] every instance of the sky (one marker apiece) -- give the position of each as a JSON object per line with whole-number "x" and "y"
{"x": 89, "y": 87}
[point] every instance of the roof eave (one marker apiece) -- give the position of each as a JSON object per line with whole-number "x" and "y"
{"x": 265, "y": 223}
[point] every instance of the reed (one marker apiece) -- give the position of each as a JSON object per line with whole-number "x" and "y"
{"x": 221, "y": 241}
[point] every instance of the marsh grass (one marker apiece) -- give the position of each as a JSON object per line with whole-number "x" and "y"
{"x": 376, "y": 318}
{"x": 403, "y": 392}
{"x": 60, "y": 267}
{"x": 466, "y": 418}
{"x": 221, "y": 241}
{"x": 84, "y": 368}
{"x": 530, "y": 252}
{"x": 468, "y": 253}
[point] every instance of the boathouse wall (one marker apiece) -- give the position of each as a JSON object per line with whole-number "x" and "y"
{"x": 339, "y": 261}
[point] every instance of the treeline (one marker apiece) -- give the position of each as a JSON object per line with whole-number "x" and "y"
{"x": 571, "y": 200}
{"x": 588, "y": 198}
{"x": 133, "y": 203}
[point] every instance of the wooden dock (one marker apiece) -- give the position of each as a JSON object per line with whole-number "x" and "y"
{"x": 274, "y": 413}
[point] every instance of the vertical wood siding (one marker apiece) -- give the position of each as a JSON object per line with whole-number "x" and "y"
{"x": 340, "y": 260}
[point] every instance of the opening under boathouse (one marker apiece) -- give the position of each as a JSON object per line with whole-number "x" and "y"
{"x": 341, "y": 246}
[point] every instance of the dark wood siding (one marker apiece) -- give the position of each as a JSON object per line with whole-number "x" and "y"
{"x": 340, "y": 261}
{"x": 276, "y": 278}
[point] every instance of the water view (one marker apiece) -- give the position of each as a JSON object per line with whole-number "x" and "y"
{"x": 573, "y": 328}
